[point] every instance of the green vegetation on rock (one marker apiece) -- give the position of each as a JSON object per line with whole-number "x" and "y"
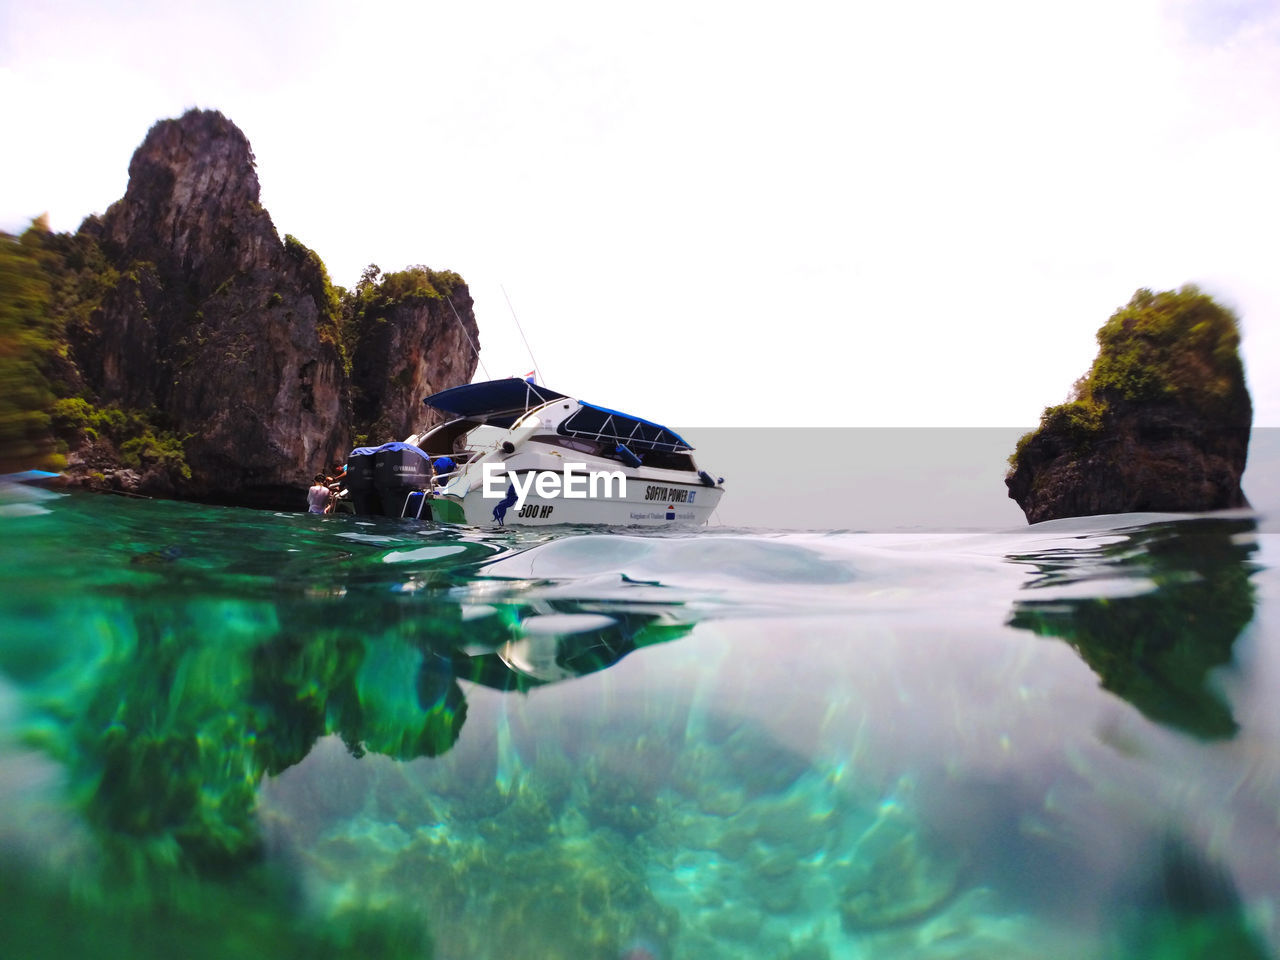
{"x": 27, "y": 344}
{"x": 50, "y": 286}
{"x": 1171, "y": 344}
{"x": 378, "y": 292}
{"x": 327, "y": 297}
{"x": 141, "y": 444}
{"x": 1174, "y": 346}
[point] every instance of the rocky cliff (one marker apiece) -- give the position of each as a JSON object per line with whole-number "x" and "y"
{"x": 1159, "y": 423}
{"x": 407, "y": 341}
{"x": 231, "y": 344}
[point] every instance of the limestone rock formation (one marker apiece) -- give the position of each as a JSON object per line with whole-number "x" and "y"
{"x": 408, "y": 342}
{"x": 1159, "y": 423}
{"x": 233, "y": 339}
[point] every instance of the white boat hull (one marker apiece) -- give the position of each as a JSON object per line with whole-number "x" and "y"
{"x": 644, "y": 503}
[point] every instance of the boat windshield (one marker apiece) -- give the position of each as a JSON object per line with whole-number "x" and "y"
{"x": 447, "y": 439}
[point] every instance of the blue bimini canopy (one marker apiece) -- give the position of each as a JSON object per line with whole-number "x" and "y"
{"x": 601, "y": 423}
{"x": 500, "y": 402}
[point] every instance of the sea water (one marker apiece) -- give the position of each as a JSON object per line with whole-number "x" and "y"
{"x": 227, "y": 733}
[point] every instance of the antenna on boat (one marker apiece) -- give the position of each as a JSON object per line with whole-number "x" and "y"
{"x": 466, "y": 333}
{"x": 522, "y": 336}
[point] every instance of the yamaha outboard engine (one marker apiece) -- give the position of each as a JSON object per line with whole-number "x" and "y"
{"x": 359, "y": 481}
{"x": 399, "y": 469}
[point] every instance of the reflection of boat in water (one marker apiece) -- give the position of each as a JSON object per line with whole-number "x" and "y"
{"x": 560, "y": 640}
{"x": 516, "y": 452}
{"x": 21, "y": 493}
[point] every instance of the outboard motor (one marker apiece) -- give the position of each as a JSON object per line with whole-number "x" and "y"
{"x": 399, "y": 469}
{"x": 359, "y": 481}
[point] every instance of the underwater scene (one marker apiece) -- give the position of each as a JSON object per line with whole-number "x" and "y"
{"x": 227, "y": 733}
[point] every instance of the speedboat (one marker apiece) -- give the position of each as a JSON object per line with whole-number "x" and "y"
{"x": 515, "y": 452}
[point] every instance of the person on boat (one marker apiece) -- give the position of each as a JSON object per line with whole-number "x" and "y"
{"x": 439, "y": 469}
{"x": 338, "y": 502}
{"x": 318, "y": 496}
{"x": 339, "y": 475}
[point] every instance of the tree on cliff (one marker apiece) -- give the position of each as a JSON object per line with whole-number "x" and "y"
{"x": 1159, "y": 423}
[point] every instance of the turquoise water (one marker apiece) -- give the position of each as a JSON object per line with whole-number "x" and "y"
{"x": 227, "y": 733}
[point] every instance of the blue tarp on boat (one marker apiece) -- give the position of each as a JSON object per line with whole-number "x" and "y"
{"x": 394, "y": 445}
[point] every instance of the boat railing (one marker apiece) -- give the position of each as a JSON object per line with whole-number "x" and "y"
{"x": 620, "y": 428}
{"x": 633, "y": 438}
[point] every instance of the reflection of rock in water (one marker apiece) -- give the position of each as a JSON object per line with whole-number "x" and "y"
{"x": 189, "y": 918}
{"x": 704, "y": 838}
{"x": 1190, "y": 911}
{"x": 1156, "y": 649}
{"x": 192, "y": 700}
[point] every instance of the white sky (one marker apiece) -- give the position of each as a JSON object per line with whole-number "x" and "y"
{"x": 719, "y": 214}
